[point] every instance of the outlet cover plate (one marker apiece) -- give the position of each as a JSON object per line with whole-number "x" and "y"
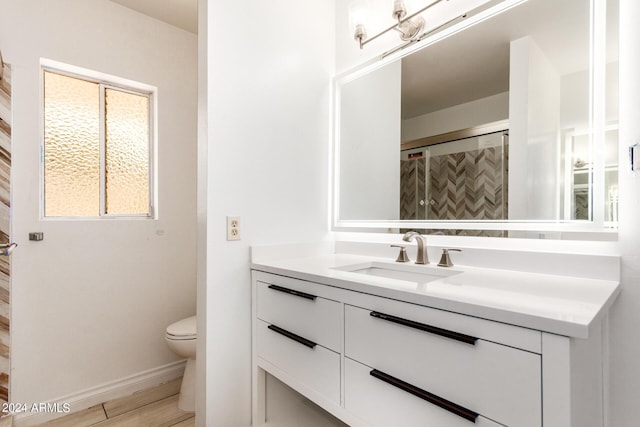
{"x": 233, "y": 228}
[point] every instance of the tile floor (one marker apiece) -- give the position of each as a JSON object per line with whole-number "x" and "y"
{"x": 154, "y": 407}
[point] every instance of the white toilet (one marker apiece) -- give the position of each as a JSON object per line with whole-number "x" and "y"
{"x": 181, "y": 338}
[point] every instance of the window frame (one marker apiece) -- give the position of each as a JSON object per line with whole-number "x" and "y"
{"x": 105, "y": 82}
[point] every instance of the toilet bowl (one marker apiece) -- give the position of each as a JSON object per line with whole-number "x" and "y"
{"x": 181, "y": 338}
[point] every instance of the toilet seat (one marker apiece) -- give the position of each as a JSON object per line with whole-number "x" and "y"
{"x": 181, "y": 338}
{"x": 184, "y": 329}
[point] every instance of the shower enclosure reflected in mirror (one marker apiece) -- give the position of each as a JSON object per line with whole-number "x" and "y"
{"x": 491, "y": 128}
{"x": 460, "y": 175}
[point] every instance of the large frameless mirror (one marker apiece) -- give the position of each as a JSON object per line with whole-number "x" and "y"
{"x": 507, "y": 127}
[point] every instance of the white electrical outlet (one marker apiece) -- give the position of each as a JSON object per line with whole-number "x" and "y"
{"x": 233, "y": 228}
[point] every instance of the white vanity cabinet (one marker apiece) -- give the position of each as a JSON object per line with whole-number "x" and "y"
{"x": 299, "y": 333}
{"x": 478, "y": 377}
{"x": 377, "y": 403}
{"x": 376, "y": 361}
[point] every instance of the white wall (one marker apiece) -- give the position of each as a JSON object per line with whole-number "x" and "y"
{"x": 370, "y": 145}
{"x": 474, "y": 113}
{"x": 574, "y": 107}
{"x": 625, "y": 315}
{"x": 271, "y": 171}
{"x": 534, "y": 119}
{"x": 574, "y": 101}
{"x": 92, "y": 300}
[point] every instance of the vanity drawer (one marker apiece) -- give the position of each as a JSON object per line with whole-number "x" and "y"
{"x": 499, "y": 382}
{"x": 379, "y": 403}
{"x": 316, "y": 367}
{"x": 300, "y": 312}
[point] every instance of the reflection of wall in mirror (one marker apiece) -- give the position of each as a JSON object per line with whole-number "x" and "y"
{"x": 478, "y": 112}
{"x": 368, "y": 173}
{"x": 534, "y": 124}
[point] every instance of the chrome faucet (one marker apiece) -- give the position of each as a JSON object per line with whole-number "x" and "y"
{"x": 423, "y": 257}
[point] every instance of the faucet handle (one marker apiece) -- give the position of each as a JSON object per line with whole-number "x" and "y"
{"x": 402, "y": 256}
{"x": 445, "y": 260}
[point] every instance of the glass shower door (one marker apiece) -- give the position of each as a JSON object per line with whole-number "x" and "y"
{"x": 464, "y": 179}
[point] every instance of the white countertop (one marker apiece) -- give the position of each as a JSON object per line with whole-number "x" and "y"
{"x": 558, "y": 304}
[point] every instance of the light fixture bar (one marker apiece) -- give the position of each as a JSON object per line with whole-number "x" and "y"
{"x": 424, "y": 35}
{"x": 362, "y": 41}
{"x": 469, "y": 19}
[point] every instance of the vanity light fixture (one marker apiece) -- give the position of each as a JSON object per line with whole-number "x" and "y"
{"x": 409, "y": 26}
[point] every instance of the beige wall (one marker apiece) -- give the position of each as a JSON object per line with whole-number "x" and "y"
{"x": 92, "y": 300}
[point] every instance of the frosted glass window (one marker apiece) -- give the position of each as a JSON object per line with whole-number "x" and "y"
{"x": 71, "y": 146}
{"x": 127, "y": 152}
{"x": 97, "y": 151}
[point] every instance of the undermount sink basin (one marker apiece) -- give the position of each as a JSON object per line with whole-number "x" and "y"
{"x": 419, "y": 274}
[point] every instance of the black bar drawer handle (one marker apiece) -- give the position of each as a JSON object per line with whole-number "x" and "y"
{"x": 468, "y": 339}
{"x": 454, "y": 408}
{"x": 292, "y": 336}
{"x": 293, "y": 292}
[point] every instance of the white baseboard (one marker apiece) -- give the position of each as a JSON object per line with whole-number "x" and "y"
{"x": 104, "y": 392}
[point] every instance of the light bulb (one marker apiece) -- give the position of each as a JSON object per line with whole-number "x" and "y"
{"x": 358, "y": 19}
{"x": 399, "y": 9}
